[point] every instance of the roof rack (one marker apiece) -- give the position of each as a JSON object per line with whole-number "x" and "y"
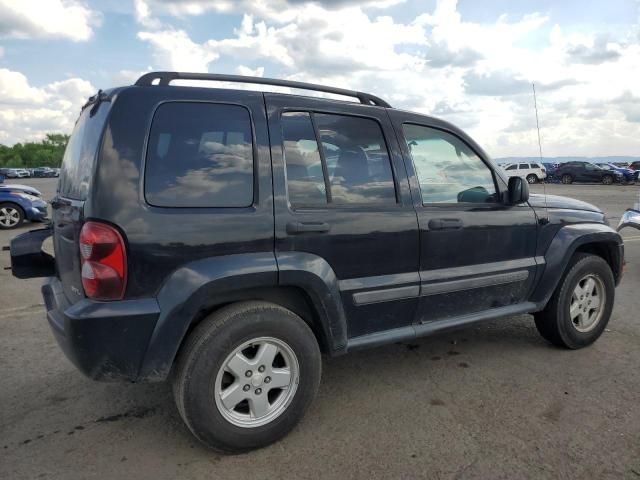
{"x": 164, "y": 78}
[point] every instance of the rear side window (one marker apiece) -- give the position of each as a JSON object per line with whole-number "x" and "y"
{"x": 200, "y": 155}
{"x": 535, "y": 165}
{"x": 80, "y": 154}
{"x": 343, "y": 160}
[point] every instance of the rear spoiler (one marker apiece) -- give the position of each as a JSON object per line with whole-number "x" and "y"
{"x": 28, "y": 260}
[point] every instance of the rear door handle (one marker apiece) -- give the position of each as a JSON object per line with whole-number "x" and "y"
{"x": 294, "y": 228}
{"x": 445, "y": 224}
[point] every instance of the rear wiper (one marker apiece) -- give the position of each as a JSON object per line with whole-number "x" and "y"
{"x": 95, "y": 100}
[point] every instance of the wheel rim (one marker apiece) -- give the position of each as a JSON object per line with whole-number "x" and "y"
{"x": 256, "y": 382}
{"x": 607, "y": 180}
{"x": 9, "y": 216}
{"x": 531, "y": 179}
{"x": 587, "y": 303}
{"x": 566, "y": 179}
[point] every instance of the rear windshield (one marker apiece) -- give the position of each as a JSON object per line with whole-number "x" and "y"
{"x": 80, "y": 155}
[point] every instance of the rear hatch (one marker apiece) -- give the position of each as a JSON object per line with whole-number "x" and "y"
{"x": 76, "y": 174}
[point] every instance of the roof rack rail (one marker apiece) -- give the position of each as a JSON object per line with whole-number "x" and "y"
{"x": 164, "y": 78}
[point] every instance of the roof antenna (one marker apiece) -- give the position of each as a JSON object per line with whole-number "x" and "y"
{"x": 544, "y": 183}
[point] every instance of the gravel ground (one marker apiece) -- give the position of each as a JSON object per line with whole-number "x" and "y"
{"x": 493, "y": 401}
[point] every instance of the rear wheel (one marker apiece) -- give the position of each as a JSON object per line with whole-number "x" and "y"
{"x": 607, "y": 180}
{"x": 580, "y": 308}
{"x": 11, "y": 216}
{"x": 531, "y": 178}
{"x": 246, "y": 376}
{"x": 567, "y": 179}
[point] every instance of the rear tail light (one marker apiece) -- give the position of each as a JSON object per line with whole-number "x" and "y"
{"x": 104, "y": 262}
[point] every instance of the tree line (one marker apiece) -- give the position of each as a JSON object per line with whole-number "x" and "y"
{"x": 46, "y": 153}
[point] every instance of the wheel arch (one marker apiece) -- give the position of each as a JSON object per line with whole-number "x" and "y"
{"x": 200, "y": 288}
{"x": 596, "y": 239}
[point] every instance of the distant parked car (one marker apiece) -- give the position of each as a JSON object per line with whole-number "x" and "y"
{"x": 16, "y": 205}
{"x": 550, "y": 168}
{"x": 9, "y": 172}
{"x": 43, "y": 172}
{"x": 23, "y": 173}
{"x": 532, "y": 172}
{"x": 634, "y": 165}
{"x": 628, "y": 175}
{"x": 586, "y": 172}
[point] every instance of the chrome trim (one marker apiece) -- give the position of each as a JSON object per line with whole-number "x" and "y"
{"x": 427, "y": 289}
{"x": 386, "y": 295}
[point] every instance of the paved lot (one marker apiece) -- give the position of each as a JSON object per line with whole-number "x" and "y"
{"x": 489, "y": 402}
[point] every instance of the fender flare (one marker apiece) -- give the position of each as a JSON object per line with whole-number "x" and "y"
{"x": 191, "y": 287}
{"x": 564, "y": 244}
{"x": 199, "y": 283}
{"x": 315, "y": 276}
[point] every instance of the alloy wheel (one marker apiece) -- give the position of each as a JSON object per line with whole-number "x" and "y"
{"x": 9, "y": 217}
{"x": 587, "y": 303}
{"x": 256, "y": 382}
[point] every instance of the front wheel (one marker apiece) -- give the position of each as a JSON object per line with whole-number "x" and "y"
{"x": 567, "y": 179}
{"x": 246, "y": 376}
{"x": 532, "y": 179}
{"x": 10, "y": 216}
{"x": 580, "y": 308}
{"x": 607, "y": 180}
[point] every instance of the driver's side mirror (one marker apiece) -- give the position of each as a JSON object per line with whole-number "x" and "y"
{"x": 518, "y": 191}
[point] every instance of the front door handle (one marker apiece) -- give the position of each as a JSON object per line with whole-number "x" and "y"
{"x": 445, "y": 224}
{"x": 294, "y": 228}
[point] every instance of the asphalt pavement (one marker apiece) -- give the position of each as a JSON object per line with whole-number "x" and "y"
{"x": 493, "y": 401}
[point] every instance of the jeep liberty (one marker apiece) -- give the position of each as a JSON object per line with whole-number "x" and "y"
{"x": 223, "y": 239}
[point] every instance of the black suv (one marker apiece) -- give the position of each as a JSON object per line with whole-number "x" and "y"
{"x": 225, "y": 238}
{"x": 586, "y": 172}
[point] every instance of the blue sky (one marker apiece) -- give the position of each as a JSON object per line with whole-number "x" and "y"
{"x": 468, "y": 61}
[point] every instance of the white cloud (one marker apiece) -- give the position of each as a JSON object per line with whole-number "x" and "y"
{"x": 477, "y": 75}
{"x": 70, "y": 19}
{"x": 28, "y": 112}
{"x": 143, "y": 16}
{"x": 250, "y": 72}
{"x": 174, "y": 50}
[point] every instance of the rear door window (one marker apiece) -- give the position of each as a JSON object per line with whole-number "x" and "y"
{"x": 200, "y": 155}
{"x": 357, "y": 159}
{"x": 305, "y": 178}
{"x": 524, "y": 166}
{"x": 343, "y": 160}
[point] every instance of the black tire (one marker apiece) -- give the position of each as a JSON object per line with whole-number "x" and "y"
{"x": 531, "y": 179}
{"x": 607, "y": 180}
{"x": 16, "y": 210}
{"x": 554, "y": 322}
{"x": 203, "y": 354}
{"x": 567, "y": 179}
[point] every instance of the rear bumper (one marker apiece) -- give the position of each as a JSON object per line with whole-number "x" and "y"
{"x": 104, "y": 340}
